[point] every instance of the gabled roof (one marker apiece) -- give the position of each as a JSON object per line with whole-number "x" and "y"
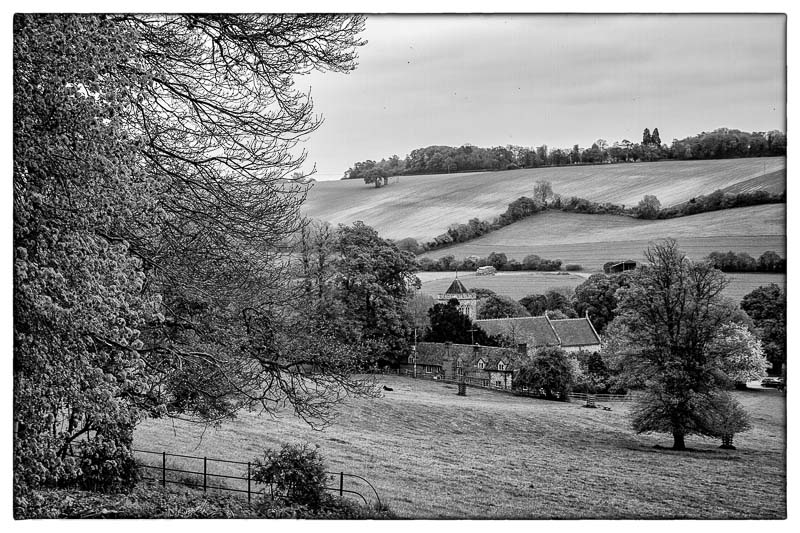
{"x": 524, "y": 329}
{"x": 575, "y": 332}
{"x": 456, "y": 288}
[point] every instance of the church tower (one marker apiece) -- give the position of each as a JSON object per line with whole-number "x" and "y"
{"x": 467, "y": 301}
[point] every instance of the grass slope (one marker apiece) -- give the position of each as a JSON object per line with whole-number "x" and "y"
{"x": 424, "y": 206}
{"x": 433, "y": 454}
{"x": 591, "y": 240}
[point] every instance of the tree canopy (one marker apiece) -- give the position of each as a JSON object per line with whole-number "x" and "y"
{"x": 672, "y": 323}
{"x": 155, "y": 197}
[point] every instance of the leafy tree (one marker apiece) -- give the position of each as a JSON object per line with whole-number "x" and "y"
{"x": 482, "y": 293}
{"x": 725, "y": 418}
{"x": 560, "y": 300}
{"x": 771, "y": 262}
{"x": 598, "y": 296}
{"x": 550, "y": 370}
{"x": 655, "y": 138}
{"x": 542, "y": 192}
{"x": 536, "y": 304}
{"x": 646, "y": 137}
{"x": 374, "y": 281}
{"x": 648, "y": 207}
{"x": 742, "y": 358}
{"x": 418, "y": 307}
{"x": 496, "y": 306}
{"x": 766, "y": 305}
{"x": 154, "y": 197}
{"x": 448, "y": 324}
{"x": 667, "y": 332}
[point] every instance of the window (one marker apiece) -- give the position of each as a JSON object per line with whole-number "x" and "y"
{"x": 481, "y": 363}
{"x": 501, "y": 365}
{"x": 459, "y": 371}
{"x": 498, "y": 384}
{"x": 428, "y": 369}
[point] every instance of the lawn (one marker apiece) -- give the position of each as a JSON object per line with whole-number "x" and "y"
{"x": 591, "y": 240}
{"x": 424, "y": 206}
{"x": 433, "y": 454}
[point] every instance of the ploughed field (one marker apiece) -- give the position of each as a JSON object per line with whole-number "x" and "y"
{"x": 433, "y": 454}
{"x": 424, "y": 206}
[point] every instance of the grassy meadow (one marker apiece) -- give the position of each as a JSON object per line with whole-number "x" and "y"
{"x": 433, "y": 454}
{"x": 591, "y": 240}
{"x": 424, "y": 206}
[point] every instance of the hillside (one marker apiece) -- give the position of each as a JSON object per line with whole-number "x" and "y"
{"x": 424, "y": 206}
{"x": 433, "y": 454}
{"x": 591, "y": 240}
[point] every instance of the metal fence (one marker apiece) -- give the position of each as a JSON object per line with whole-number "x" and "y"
{"x": 235, "y": 476}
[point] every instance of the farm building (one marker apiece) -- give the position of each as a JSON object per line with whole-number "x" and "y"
{"x": 570, "y": 334}
{"x": 478, "y": 365}
{"x": 619, "y": 266}
{"x": 467, "y": 301}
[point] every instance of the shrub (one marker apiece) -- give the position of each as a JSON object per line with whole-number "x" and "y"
{"x": 295, "y": 474}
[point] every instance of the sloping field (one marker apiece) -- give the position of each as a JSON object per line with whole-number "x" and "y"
{"x": 424, "y": 206}
{"x": 433, "y": 454}
{"x": 591, "y": 240}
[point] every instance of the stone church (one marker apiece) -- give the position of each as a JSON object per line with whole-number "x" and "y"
{"x": 467, "y": 301}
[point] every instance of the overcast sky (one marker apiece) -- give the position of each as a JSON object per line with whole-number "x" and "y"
{"x": 546, "y": 79}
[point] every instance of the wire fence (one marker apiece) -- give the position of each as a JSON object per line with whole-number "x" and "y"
{"x": 212, "y": 474}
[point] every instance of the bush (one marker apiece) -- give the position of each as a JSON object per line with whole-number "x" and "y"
{"x": 295, "y": 474}
{"x": 572, "y": 268}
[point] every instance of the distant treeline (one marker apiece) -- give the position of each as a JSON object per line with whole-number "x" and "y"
{"x": 742, "y": 262}
{"x": 499, "y": 261}
{"x": 648, "y": 208}
{"x": 722, "y": 143}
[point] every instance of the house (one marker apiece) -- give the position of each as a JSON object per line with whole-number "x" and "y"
{"x": 487, "y": 366}
{"x": 571, "y": 334}
{"x": 467, "y": 301}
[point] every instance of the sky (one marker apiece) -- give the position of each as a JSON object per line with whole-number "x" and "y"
{"x": 558, "y": 80}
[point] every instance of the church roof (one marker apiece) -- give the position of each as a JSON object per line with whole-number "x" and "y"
{"x": 456, "y": 288}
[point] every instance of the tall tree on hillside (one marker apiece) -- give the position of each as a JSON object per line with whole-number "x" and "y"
{"x": 646, "y": 137}
{"x": 648, "y": 207}
{"x": 656, "y": 138}
{"x": 542, "y": 192}
{"x": 669, "y": 319}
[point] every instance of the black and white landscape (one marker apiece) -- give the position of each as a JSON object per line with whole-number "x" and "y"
{"x": 399, "y": 266}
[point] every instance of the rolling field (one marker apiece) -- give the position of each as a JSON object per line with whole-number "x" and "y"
{"x": 591, "y": 240}
{"x": 433, "y": 454}
{"x": 517, "y": 285}
{"x": 424, "y": 206}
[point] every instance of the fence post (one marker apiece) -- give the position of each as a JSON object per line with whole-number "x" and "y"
{"x": 248, "y": 481}
{"x": 205, "y": 469}
{"x": 163, "y": 469}
{"x": 341, "y": 484}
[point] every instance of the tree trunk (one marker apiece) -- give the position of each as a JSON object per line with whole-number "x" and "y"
{"x": 678, "y": 442}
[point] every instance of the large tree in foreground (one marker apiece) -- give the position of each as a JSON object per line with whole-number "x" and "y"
{"x": 673, "y": 331}
{"x": 153, "y": 204}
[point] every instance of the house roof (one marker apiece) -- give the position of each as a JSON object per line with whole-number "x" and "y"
{"x": 575, "y": 332}
{"x": 522, "y": 329}
{"x": 456, "y": 288}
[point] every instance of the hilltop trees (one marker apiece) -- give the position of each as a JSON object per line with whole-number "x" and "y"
{"x": 153, "y": 200}
{"x": 668, "y": 332}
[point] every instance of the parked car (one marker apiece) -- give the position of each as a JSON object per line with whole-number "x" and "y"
{"x": 773, "y": 383}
